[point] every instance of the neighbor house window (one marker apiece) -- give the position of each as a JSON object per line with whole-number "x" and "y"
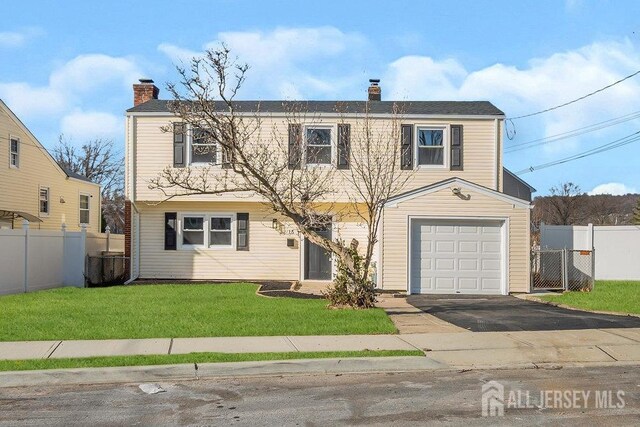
{"x": 84, "y": 209}
{"x": 430, "y": 146}
{"x": 193, "y": 230}
{"x": 318, "y": 148}
{"x": 14, "y": 152}
{"x": 203, "y": 146}
{"x": 220, "y": 231}
{"x": 44, "y": 201}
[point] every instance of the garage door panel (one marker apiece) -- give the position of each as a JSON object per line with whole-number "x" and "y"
{"x": 444, "y": 283}
{"x": 445, "y": 264}
{"x": 456, "y": 256}
{"x": 491, "y": 247}
{"x": 467, "y": 246}
{"x": 468, "y": 284}
{"x": 470, "y": 264}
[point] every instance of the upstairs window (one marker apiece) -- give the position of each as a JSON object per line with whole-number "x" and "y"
{"x": 318, "y": 145}
{"x": 203, "y": 147}
{"x": 85, "y": 211}
{"x": 14, "y": 152}
{"x": 44, "y": 201}
{"x": 430, "y": 150}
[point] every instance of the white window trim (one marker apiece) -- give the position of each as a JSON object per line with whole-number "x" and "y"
{"x": 189, "y": 145}
{"x": 207, "y": 230}
{"x": 17, "y": 165}
{"x": 40, "y": 213}
{"x": 445, "y": 145}
{"x": 81, "y": 209}
{"x": 334, "y": 144}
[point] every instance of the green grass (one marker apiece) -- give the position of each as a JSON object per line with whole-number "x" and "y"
{"x": 613, "y": 296}
{"x": 171, "y": 311}
{"x": 99, "y": 362}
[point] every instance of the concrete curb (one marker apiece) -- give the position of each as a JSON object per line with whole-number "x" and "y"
{"x": 307, "y": 367}
{"x": 533, "y": 298}
{"x": 159, "y": 373}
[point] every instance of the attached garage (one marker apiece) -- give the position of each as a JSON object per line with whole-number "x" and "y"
{"x": 456, "y": 256}
{"x": 455, "y": 237}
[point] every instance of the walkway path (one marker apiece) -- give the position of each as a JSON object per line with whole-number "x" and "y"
{"x": 457, "y": 349}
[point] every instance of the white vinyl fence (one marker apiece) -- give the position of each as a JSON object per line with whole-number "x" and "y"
{"x": 32, "y": 260}
{"x": 616, "y": 247}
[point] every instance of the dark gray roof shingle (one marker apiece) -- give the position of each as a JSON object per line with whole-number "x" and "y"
{"x": 462, "y": 108}
{"x": 72, "y": 174}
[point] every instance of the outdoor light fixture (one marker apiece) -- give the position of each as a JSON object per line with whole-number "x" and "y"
{"x": 62, "y": 199}
{"x": 457, "y": 191}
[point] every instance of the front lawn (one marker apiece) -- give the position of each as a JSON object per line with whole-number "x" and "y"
{"x": 607, "y": 295}
{"x": 171, "y": 311}
{"x": 170, "y": 359}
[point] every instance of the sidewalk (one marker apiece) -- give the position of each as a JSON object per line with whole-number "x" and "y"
{"x": 453, "y": 350}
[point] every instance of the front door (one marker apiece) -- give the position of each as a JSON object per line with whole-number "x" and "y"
{"x": 316, "y": 260}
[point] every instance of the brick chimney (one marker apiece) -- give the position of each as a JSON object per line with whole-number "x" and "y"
{"x": 144, "y": 91}
{"x": 374, "y": 90}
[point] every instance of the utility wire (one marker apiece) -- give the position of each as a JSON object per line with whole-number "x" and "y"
{"x": 572, "y": 133}
{"x": 634, "y": 137}
{"x": 577, "y": 99}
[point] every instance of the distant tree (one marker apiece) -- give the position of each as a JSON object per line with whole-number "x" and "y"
{"x": 564, "y": 204}
{"x": 636, "y": 214}
{"x": 100, "y": 162}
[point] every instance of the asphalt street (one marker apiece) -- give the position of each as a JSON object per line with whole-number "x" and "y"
{"x": 430, "y": 397}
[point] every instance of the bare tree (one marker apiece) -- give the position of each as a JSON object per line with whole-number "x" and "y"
{"x": 564, "y": 204}
{"x": 100, "y": 162}
{"x": 257, "y": 160}
{"x": 636, "y": 214}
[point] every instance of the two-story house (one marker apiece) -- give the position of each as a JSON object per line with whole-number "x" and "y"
{"x": 454, "y": 230}
{"x": 34, "y": 187}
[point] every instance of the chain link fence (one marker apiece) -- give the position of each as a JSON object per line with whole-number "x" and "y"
{"x": 105, "y": 270}
{"x": 562, "y": 269}
{"x": 547, "y": 269}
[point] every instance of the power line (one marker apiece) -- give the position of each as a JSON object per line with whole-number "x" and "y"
{"x": 577, "y": 99}
{"x": 572, "y": 133}
{"x": 634, "y": 137}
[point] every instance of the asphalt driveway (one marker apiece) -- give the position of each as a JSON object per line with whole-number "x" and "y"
{"x": 507, "y": 313}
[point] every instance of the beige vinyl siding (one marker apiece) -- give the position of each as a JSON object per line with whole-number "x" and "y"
{"x": 150, "y": 150}
{"x": 443, "y": 203}
{"x": 20, "y": 187}
{"x": 268, "y": 257}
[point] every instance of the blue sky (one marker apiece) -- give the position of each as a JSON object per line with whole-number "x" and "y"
{"x": 68, "y": 66}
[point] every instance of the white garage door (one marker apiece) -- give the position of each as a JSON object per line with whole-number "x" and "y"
{"x": 451, "y": 257}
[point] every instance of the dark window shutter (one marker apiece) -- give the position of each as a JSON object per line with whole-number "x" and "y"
{"x": 179, "y": 141}
{"x": 406, "y": 147}
{"x": 344, "y": 145}
{"x": 456, "y": 147}
{"x": 242, "y": 231}
{"x": 295, "y": 145}
{"x": 170, "y": 231}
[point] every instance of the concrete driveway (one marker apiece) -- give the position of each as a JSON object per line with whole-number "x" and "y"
{"x": 506, "y": 313}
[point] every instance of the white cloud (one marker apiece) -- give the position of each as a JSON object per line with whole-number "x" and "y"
{"x": 614, "y": 188}
{"x": 289, "y": 63}
{"x": 543, "y": 83}
{"x": 69, "y": 83}
{"x": 81, "y": 125}
{"x": 12, "y": 39}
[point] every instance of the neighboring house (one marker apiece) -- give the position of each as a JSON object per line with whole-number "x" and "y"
{"x": 34, "y": 187}
{"x": 454, "y": 230}
{"x": 515, "y": 186}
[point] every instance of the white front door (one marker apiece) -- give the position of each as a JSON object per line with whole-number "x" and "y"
{"x": 456, "y": 256}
